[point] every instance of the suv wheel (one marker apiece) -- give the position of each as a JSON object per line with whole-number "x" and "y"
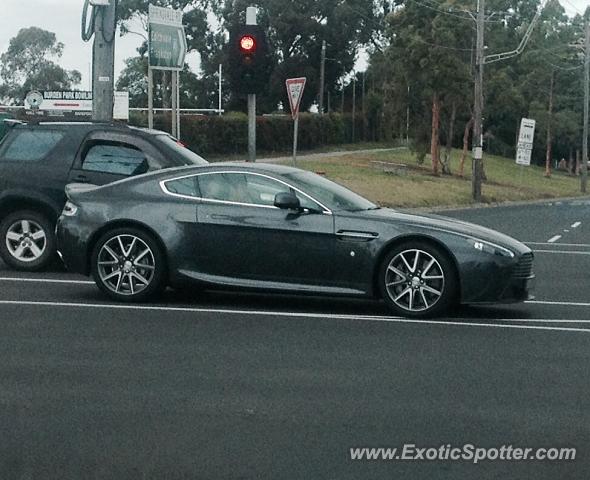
{"x": 27, "y": 241}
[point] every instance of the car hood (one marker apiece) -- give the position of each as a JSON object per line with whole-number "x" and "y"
{"x": 446, "y": 224}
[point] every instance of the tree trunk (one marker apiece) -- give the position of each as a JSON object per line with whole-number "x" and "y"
{"x": 446, "y": 162}
{"x": 434, "y": 141}
{"x": 578, "y": 161}
{"x": 468, "y": 127}
{"x": 570, "y": 162}
{"x": 548, "y": 148}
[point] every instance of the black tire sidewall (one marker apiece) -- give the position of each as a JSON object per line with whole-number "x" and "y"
{"x": 48, "y": 227}
{"x": 158, "y": 282}
{"x": 451, "y": 282}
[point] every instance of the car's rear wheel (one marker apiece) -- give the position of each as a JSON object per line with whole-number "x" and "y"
{"x": 128, "y": 265}
{"x": 418, "y": 280}
{"x": 28, "y": 240}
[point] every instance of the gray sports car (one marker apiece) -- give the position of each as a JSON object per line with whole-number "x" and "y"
{"x": 276, "y": 228}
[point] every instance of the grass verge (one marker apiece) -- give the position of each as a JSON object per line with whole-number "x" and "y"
{"x": 418, "y": 187}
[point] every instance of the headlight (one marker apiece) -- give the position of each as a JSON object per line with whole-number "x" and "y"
{"x": 69, "y": 210}
{"x": 490, "y": 248}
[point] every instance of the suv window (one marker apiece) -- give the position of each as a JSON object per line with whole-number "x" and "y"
{"x": 116, "y": 158}
{"x": 31, "y": 145}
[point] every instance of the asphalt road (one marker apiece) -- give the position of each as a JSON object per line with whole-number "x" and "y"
{"x": 232, "y": 386}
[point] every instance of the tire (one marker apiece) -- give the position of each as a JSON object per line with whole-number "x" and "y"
{"x": 128, "y": 265}
{"x": 418, "y": 280}
{"x": 27, "y": 241}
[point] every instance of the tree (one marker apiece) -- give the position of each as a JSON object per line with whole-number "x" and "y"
{"x": 28, "y": 65}
{"x": 427, "y": 46}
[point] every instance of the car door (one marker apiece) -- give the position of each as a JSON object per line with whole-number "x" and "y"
{"x": 106, "y": 157}
{"x": 240, "y": 234}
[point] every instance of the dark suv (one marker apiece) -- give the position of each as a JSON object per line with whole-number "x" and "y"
{"x": 38, "y": 160}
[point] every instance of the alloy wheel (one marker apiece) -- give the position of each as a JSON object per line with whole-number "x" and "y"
{"x": 126, "y": 265}
{"x": 414, "y": 280}
{"x": 26, "y": 240}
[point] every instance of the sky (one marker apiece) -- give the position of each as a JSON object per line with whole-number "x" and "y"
{"x": 63, "y": 17}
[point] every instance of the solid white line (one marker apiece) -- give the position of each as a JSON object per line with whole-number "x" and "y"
{"x": 537, "y": 320}
{"x": 576, "y": 225}
{"x": 45, "y": 280}
{"x": 294, "y": 314}
{"x": 554, "y": 239}
{"x": 560, "y": 244}
{"x": 570, "y": 304}
{"x": 572, "y": 252}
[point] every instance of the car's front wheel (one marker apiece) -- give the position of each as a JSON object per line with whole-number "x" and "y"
{"x": 128, "y": 265}
{"x": 27, "y": 241}
{"x": 418, "y": 280}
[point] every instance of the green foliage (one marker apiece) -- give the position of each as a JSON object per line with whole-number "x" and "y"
{"x": 27, "y": 65}
{"x": 228, "y": 134}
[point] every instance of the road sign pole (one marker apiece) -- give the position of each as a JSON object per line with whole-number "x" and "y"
{"x": 251, "y": 20}
{"x": 178, "y": 104}
{"x": 295, "y": 88}
{"x": 173, "y": 102}
{"x": 295, "y": 135}
{"x": 150, "y": 98}
{"x": 219, "y": 99}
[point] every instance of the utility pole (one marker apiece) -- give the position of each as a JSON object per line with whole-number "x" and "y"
{"x": 103, "y": 24}
{"x": 322, "y": 78}
{"x": 477, "y": 165}
{"x": 251, "y": 20}
{"x": 584, "y": 180}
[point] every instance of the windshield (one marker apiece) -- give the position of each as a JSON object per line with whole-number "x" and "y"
{"x": 189, "y": 157}
{"x": 330, "y": 194}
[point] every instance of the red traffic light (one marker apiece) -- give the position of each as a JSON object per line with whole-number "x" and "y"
{"x": 247, "y": 44}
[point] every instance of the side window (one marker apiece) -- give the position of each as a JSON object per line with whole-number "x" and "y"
{"x": 214, "y": 186}
{"x": 184, "y": 186}
{"x": 116, "y": 158}
{"x": 31, "y": 145}
{"x": 262, "y": 191}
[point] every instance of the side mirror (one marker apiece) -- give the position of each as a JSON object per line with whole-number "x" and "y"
{"x": 287, "y": 201}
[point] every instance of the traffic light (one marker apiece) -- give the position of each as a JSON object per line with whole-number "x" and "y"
{"x": 249, "y": 59}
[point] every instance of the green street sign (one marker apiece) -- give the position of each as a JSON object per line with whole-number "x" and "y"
{"x": 167, "y": 40}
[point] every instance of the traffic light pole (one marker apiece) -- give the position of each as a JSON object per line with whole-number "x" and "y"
{"x": 251, "y": 20}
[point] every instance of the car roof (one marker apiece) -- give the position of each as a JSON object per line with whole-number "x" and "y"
{"x": 90, "y": 126}
{"x": 272, "y": 168}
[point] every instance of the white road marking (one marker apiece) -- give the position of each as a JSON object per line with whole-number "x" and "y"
{"x": 576, "y": 225}
{"x": 296, "y": 314}
{"x": 572, "y": 252}
{"x": 561, "y": 244}
{"x": 536, "y": 320}
{"x": 554, "y": 239}
{"x": 567, "y": 304}
{"x": 46, "y": 280}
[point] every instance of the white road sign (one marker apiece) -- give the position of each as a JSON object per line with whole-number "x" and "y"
{"x": 295, "y": 87}
{"x": 525, "y": 141}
